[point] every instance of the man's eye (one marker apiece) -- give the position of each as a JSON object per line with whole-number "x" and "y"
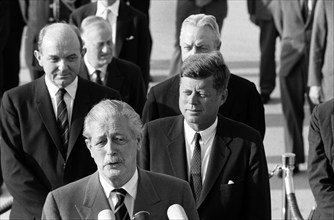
{"x": 72, "y": 58}
{"x": 119, "y": 140}
{"x": 54, "y": 59}
{"x": 100, "y": 143}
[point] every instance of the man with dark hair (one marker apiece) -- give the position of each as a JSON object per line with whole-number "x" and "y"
{"x": 223, "y": 160}
{"x": 200, "y": 34}
{"x": 41, "y": 123}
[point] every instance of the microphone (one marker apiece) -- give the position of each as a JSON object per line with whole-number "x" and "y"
{"x": 106, "y": 214}
{"x": 176, "y": 211}
{"x": 142, "y": 215}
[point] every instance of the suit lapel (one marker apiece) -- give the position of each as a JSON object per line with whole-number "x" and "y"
{"x": 80, "y": 109}
{"x": 94, "y": 199}
{"x": 219, "y": 156}
{"x": 114, "y": 78}
{"x": 123, "y": 27}
{"x": 177, "y": 149}
{"x": 145, "y": 187}
{"x": 45, "y": 109}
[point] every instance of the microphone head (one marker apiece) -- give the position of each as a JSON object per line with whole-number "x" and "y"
{"x": 176, "y": 211}
{"x": 142, "y": 215}
{"x": 106, "y": 214}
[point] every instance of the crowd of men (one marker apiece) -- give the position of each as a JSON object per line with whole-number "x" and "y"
{"x": 86, "y": 139}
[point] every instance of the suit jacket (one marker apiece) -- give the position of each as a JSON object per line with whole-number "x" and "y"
{"x": 262, "y": 9}
{"x": 126, "y": 78}
{"x": 243, "y": 102}
{"x": 85, "y": 198}
{"x": 295, "y": 33}
{"x": 132, "y": 34}
{"x": 237, "y": 155}
{"x": 31, "y": 150}
{"x": 321, "y": 67}
{"x": 321, "y": 159}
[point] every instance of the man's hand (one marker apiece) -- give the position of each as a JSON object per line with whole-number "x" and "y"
{"x": 315, "y": 94}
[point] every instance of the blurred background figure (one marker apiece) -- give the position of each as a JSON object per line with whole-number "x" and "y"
{"x": 101, "y": 67}
{"x": 11, "y": 28}
{"x": 320, "y": 159}
{"x": 185, "y": 8}
{"x": 129, "y": 28}
{"x": 260, "y": 12}
{"x": 293, "y": 20}
{"x": 143, "y": 6}
{"x": 321, "y": 66}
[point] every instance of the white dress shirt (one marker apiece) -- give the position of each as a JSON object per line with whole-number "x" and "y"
{"x": 207, "y": 137}
{"x": 130, "y": 187}
{"x": 69, "y": 96}
{"x": 91, "y": 70}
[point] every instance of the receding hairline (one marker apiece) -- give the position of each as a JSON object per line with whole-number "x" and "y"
{"x": 59, "y": 29}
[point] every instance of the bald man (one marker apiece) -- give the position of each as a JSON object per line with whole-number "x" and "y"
{"x": 41, "y": 143}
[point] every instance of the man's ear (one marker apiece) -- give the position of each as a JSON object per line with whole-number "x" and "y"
{"x": 83, "y": 51}
{"x": 224, "y": 97}
{"x": 38, "y": 56}
{"x": 89, "y": 147}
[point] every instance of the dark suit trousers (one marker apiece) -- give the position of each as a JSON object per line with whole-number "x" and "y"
{"x": 293, "y": 91}
{"x": 268, "y": 35}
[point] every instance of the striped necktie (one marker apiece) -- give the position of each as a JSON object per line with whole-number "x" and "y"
{"x": 121, "y": 212}
{"x": 195, "y": 169}
{"x": 62, "y": 119}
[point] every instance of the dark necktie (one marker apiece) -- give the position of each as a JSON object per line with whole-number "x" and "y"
{"x": 98, "y": 79}
{"x": 195, "y": 169}
{"x": 62, "y": 119}
{"x": 121, "y": 213}
{"x": 304, "y": 5}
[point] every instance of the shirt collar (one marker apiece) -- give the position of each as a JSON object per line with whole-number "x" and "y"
{"x": 91, "y": 69}
{"x": 71, "y": 89}
{"x": 113, "y": 8}
{"x": 130, "y": 186}
{"x": 205, "y": 134}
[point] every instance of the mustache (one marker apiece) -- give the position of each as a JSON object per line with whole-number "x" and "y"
{"x": 112, "y": 160}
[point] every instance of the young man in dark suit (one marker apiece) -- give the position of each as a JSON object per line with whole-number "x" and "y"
{"x": 114, "y": 136}
{"x": 100, "y": 66}
{"x": 41, "y": 123}
{"x": 130, "y": 31}
{"x": 200, "y": 34}
{"x": 223, "y": 160}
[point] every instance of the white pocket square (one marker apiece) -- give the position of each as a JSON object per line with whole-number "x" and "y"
{"x": 130, "y": 38}
{"x": 230, "y": 182}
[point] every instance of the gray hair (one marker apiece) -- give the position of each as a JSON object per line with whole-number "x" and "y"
{"x": 204, "y": 65}
{"x": 203, "y": 20}
{"x": 106, "y": 109}
{"x": 93, "y": 21}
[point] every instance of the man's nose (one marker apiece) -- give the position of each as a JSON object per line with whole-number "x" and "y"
{"x": 62, "y": 65}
